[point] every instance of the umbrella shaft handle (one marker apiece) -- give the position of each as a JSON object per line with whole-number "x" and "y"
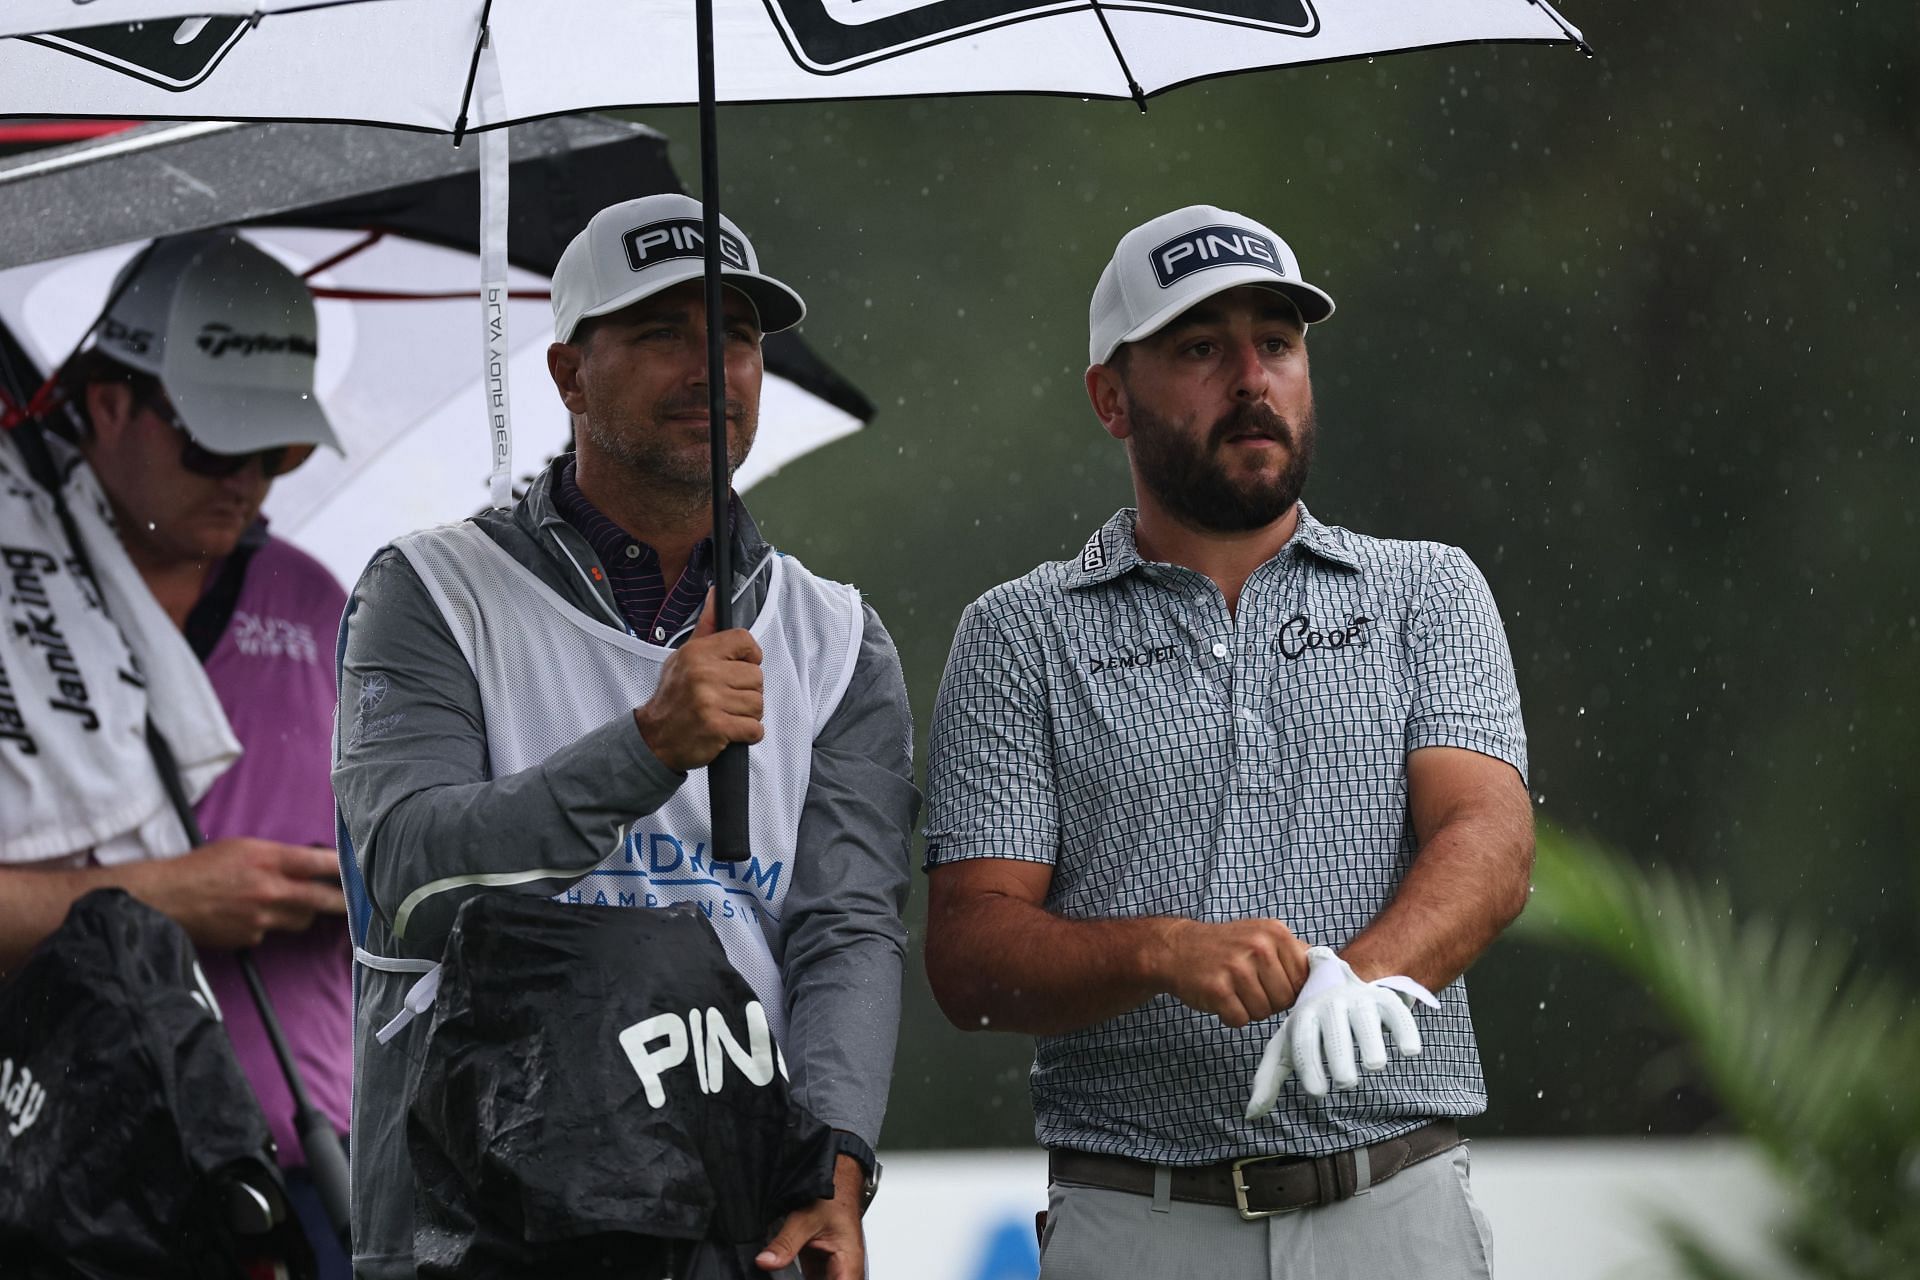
{"x": 727, "y": 796}
{"x": 727, "y": 774}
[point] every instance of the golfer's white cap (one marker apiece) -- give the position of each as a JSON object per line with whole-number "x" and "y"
{"x": 231, "y": 335}
{"x": 638, "y": 248}
{"x": 1162, "y": 267}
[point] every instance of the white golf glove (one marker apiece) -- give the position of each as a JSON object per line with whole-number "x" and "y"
{"x": 1335, "y": 1011}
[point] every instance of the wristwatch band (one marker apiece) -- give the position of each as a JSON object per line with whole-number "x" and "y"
{"x": 852, "y": 1144}
{"x": 846, "y": 1143}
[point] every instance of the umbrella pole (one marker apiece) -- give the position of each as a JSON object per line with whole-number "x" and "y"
{"x": 727, "y": 775}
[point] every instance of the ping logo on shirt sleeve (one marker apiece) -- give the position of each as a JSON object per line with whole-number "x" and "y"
{"x": 1214, "y": 246}
{"x": 669, "y": 238}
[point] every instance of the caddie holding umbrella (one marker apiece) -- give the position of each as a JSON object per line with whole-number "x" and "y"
{"x": 529, "y": 699}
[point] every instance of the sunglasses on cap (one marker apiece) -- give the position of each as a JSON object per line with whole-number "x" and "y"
{"x": 202, "y": 461}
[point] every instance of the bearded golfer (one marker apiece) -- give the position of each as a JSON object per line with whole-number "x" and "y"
{"x": 1215, "y": 804}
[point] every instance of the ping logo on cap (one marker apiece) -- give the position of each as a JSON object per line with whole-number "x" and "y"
{"x": 669, "y": 238}
{"x": 1214, "y": 246}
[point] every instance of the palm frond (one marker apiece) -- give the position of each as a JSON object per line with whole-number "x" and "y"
{"x": 1818, "y": 1059}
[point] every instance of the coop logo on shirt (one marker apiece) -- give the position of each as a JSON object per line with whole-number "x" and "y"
{"x": 1300, "y": 637}
{"x": 662, "y": 869}
{"x": 175, "y": 54}
{"x": 831, "y": 36}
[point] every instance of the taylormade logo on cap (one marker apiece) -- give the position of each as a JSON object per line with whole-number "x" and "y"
{"x": 679, "y": 238}
{"x": 1178, "y": 260}
{"x": 1215, "y": 246}
{"x": 232, "y": 335}
{"x": 217, "y": 340}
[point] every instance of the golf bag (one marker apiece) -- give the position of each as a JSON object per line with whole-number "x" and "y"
{"x": 599, "y": 1093}
{"x": 130, "y": 1143}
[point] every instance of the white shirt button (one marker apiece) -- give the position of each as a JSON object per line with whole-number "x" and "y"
{"x": 633, "y": 551}
{"x": 1219, "y": 649}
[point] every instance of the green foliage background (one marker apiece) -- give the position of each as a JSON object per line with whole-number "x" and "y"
{"x": 1639, "y": 333}
{"x": 1815, "y": 1057}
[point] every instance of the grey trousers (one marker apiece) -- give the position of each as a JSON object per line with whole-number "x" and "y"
{"x": 1421, "y": 1223}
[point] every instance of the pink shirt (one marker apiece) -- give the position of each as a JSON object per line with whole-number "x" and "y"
{"x": 273, "y": 670}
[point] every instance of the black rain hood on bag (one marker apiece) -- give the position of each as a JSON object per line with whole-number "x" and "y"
{"x": 130, "y": 1144}
{"x": 598, "y": 1087}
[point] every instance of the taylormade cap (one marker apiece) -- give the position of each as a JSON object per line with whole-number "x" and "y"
{"x": 638, "y": 248}
{"x": 1162, "y": 267}
{"x": 231, "y": 335}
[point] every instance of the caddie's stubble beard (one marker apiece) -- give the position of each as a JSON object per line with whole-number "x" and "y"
{"x": 1192, "y": 481}
{"x": 645, "y": 447}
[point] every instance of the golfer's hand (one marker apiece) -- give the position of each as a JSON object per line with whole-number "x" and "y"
{"x": 232, "y": 893}
{"x": 709, "y": 695}
{"x": 1239, "y": 970}
{"x": 826, "y": 1234}
{"x": 1336, "y": 1011}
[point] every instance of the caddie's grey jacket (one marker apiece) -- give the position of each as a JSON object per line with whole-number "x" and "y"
{"x": 420, "y": 805}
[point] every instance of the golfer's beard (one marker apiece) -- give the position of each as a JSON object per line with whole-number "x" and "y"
{"x": 1195, "y": 485}
{"x": 642, "y": 447}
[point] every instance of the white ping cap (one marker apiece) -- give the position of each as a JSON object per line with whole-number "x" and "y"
{"x": 637, "y": 248}
{"x": 1162, "y": 267}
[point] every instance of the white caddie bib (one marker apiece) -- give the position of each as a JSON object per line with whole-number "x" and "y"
{"x": 548, "y": 674}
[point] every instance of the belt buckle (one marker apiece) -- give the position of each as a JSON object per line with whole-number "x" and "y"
{"x": 1240, "y": 1190}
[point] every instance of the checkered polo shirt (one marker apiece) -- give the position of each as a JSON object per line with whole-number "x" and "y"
{"x": 1109, "y": 716}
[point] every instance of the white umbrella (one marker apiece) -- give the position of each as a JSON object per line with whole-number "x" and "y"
{"x": 409, "y": 62}
{"x": 460, "y": 65}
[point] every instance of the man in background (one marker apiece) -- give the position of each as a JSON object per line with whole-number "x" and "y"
{"x": 1211, "y": 800}
{"x": 197, "y": 394}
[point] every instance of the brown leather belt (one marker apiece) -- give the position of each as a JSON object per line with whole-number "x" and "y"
{"x": 1262, "y": 1186}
